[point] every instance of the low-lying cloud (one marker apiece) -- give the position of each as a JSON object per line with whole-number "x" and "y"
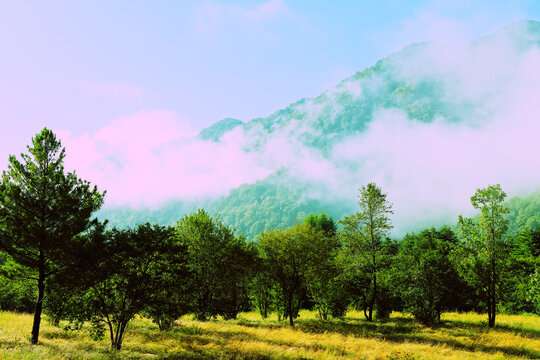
{"x": 150, "y": 157}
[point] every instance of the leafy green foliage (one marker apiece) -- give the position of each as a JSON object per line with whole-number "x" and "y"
{"x": 262, "y": 289}
{"x": 487, "y": 249}
{"x": 17, "y": 286}
{"x": 64, "y": 288}
{"x": 424, "y": 275}
{"x": 276, "y": 202}
{"x": 520, "y": 265}
{"x": 363, "y": 234}
{"x": 220, "y": 263}
{"x": 172, "y": 281}
{"x": 533, "y": 294}
{"x": 322, "y": 222}
{"x": 322, "y": 276}
{"x": 131, "y": 277}
{"x": 524, "y": 213}
{"x": 293, "y": 255}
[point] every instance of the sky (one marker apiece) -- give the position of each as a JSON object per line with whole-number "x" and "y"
{"x": 134, "y": 75}
{"x": 79, "y": 65}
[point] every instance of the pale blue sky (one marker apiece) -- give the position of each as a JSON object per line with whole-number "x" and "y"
{"x": 79, "y": 65}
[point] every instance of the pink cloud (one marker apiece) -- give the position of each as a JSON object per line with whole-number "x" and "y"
{"x": 150, "y": 157}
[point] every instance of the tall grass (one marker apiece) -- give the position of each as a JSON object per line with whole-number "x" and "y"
{"x": 460, "y": 336}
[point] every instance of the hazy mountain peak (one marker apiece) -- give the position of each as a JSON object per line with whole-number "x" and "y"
{"x": 216, "y": 130}
{"x": 521, "y": 35}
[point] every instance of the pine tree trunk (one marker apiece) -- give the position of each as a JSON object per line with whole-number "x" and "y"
{"x": 39, "y": 302}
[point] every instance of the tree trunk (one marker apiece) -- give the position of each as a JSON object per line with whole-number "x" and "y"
{"x": 234, "y": 310}
{"x": 39, "y": 302}
{"x": 365, "y": 306}
{"x": 264, "y": 310}
{"x": 374, "y": 293}
{"x": 290, "y": 300}
{"x": 493, "y": 294}
{"x": 117, "y": 343}
{"x": 111, "y": 331}
{"x": 491, "y": 307}
{"x": 372, "y": 300}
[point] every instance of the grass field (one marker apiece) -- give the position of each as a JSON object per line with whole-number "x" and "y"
{"x": 461, "y": 336}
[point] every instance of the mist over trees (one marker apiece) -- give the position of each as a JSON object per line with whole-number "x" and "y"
{"x": 84, "y": 272}
{"x": 425, "y": 95}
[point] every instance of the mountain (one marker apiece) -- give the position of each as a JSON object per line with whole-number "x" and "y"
{"x": 310, "y": 148}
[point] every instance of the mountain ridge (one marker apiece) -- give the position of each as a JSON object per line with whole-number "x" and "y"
{"x": 404, "y": 81}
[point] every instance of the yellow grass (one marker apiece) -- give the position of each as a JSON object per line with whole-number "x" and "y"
{"x": 461, "y": 336}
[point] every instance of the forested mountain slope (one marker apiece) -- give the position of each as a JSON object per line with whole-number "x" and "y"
{"x": 306, "y": 147}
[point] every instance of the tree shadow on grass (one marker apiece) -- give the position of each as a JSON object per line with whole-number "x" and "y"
{"x": 380, "y": 329}
{"x": 194, "y": 339}
{"x": 197, "y": 343}
{"x": 480, "y": 328}
{"x": 60, "y": 334}
{"x": 403, "y": 329}
{"x": 10, "y": 344}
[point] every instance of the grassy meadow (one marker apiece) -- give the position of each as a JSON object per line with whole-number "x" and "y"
{"x": 461, "y": 336}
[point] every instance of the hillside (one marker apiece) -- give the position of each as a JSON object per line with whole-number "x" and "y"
{"x": 310, "y": 147}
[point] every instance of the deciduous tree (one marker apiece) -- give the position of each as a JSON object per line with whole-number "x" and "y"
{"x": 220, "y": 263}
{"x": 486, "y": 244}
{"x": 291, "y": 255}
{"x": 424, "y": 275}
{"x": 363, "y": 234}
{"x": 323, "y": 271}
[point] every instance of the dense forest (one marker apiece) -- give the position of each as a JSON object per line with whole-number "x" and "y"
{"x": 57, "y": 258}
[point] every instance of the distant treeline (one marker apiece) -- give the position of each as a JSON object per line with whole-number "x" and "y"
{"x": 82, "y": 272}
